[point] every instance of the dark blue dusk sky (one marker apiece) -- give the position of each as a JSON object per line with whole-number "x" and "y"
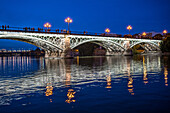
{"x": 88, "y": 15}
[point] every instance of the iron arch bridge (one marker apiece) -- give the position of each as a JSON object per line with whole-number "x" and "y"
{"x": 115, "y": 44}
{"x": 57, "y": 45}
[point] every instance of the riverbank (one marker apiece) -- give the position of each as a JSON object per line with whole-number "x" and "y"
{"x": 166, "y": 53}
{"x": 22, "y": 53}
{"x": 36, "y": 52}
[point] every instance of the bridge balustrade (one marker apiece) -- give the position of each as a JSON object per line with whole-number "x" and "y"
{"x": 62, "y": 31}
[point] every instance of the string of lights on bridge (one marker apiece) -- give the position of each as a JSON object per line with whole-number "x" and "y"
{"x": 69, "y": 20}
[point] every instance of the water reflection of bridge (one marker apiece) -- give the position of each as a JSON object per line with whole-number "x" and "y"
{"x": 54, "y": 73}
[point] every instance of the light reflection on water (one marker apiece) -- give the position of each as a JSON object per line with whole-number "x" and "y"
{"x": 22, "y": 77}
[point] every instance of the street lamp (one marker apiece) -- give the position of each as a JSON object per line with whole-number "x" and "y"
{"x": 68, "y": 20}
{"x": 144, "y": 34}
{"x": 47, "y": 25}
{"x": 129, "y": 28}
{"x": 107, "y": 30}
{"x": 165, "y": 31}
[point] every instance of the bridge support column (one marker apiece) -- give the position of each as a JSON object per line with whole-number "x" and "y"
{"x": 128, "y": 52}
{"x": 52, "y": 54}
{"x": 66, "y": 53}
{"x": 60, "y": 54}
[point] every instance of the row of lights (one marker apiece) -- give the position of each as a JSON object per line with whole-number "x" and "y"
{"x": 164, "y": 32}
{"x": 68, "y": 20}
{"x": 130, "y": 28}
{"x": 107, "y": 30}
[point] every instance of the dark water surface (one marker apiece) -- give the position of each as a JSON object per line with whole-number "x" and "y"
{"x": 123, "y": 84}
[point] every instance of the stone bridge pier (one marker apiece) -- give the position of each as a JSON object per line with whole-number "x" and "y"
{"x": 65, "y": 53}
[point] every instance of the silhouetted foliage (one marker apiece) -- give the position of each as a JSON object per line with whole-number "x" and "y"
{"x": 158, "y": 36}
{"x": 127, "y": 36}
{"x": 136, "y": 35}
{"x": 165, "y": 45}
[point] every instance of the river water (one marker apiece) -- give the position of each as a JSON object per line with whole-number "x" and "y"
{"x": 136, "y": 84}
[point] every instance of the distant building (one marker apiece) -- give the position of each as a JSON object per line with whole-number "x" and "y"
{"x": 3, "y": 50}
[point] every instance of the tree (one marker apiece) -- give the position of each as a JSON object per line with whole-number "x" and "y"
{"x": 165, "y": 45}
{"x": 158, "y": 36}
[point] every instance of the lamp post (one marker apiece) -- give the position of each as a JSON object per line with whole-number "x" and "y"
{"x": 47, "y": 25}
{"x": 68, "y": 20}
{"x": 164, "y": 32}
{"x": 129, "y": 28}
{"x": 144, "y": 34}
{"x": 107, "y": 30}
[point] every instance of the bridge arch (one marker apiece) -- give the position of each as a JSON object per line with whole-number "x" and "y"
{"x": 147, "y": 42}
{"x": 43, "y": 44}
{"x": 98, "y": 40}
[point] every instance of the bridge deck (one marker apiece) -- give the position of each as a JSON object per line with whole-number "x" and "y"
{"x": 65, "y": 33}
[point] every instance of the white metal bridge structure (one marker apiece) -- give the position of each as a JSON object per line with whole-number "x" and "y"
{"x": 60, "y": 44}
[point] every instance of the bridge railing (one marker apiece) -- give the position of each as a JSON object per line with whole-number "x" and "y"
{"x": 51, "y": 31}
{"x": 63, "y": 31}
